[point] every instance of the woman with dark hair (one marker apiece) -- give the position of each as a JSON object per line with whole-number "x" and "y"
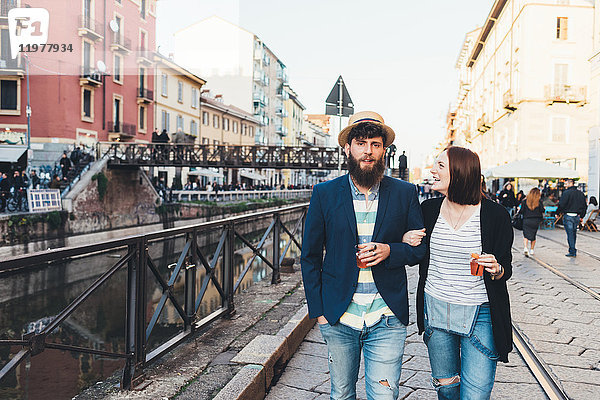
{"x": 592, "y": 206}
{"x": 533, "y": 214}
{"x": 520, "y": 197}
{"x": 463, "y": 308}
{"x": 507, "y": 198}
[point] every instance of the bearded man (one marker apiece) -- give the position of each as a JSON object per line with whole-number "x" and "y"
{"x": 358, "y": 290}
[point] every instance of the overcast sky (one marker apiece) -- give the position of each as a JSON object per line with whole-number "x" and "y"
{"x": 397, "y": 57}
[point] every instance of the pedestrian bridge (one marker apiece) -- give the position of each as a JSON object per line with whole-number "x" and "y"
{"x": 194, "y": 155}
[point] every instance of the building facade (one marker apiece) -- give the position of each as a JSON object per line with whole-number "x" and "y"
{"x": 177, "y": 100}
{"x": 238, "y": 65}
{"x": 524, "y": 83}
{"x": 96, "y": 87}
{"x": 594, "y": 133}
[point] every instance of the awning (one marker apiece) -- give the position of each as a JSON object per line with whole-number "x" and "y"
{"x": 11, "y": 153}
{"x": 253, "y": 175}
{"x": 205, "y": 172}
{"x": 532, "y": 169}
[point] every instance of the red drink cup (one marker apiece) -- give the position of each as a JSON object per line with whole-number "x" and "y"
{"x": 476, "y": 269}
{"x": 359, "y": 262}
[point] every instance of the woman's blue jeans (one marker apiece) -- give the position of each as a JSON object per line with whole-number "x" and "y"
{"x": 471, "y": 358}
{"x": 383, "y": 346}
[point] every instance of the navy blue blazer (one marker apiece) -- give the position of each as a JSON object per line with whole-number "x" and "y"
{"x": 330, "y": 282}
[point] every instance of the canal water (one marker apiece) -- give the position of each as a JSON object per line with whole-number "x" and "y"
{"x": 29, "y": 300}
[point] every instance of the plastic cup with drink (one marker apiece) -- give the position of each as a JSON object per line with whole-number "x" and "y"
{"x": 476, "y": 268}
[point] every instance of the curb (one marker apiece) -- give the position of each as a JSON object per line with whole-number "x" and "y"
{"x": 264, "y": 357}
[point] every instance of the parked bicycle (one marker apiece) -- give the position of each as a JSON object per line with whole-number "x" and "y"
{"x": 17, "y": 201}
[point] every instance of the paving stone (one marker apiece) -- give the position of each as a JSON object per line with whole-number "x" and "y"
{"x": 537, "y": 328}
{"x": 248, "y": 383}
{"x": 283, "y": 392}
{"x": 416, "y": 349}
{"x": 323, "y": 397}
{"x": 302, "y": 379}
{"x": 576, "y": 390}
{"x": 314, "y": 336}
{"x": 421, "y": 380}
{"x": 586, "y": 343}
{"x": 539, "y": 320}
{"x": 312, "y": 348}
{"x": 561, "y": 360}
{"x": 550, "y": 337}
{"x": 559, "y": 348}
{"x": 512, "y": 391}
{"x": 514, "y": 375}
{"x": 406, "y": 375}
{"x": 569, "y": 374}
{"x": 418, "y": 363}
{"x": 309, "y": 363}
{"x": 325, "y": 387}
{"x": 422, "y": 394}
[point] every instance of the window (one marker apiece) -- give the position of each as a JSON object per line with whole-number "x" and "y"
{"x": 142, "y": 119}
{"x": 86, "y": 109}
{"x": 117, "y": 69}
{"x": 165, "y": 120}
{"x": 142, "y": 41}
{"x": 117, "y": 112}
{"x": 142, "y": 78}
{"x": 244, "y": 129}
{"x": 215, "y": 142}
{"x": 235, "y": 127}
{"x": 559, "y": 129}
{"x": 226, "y": 124}
{"x": 87, "y": 56}
{"x": 204, "y": 118}
{"x": 251, "y": 131}
{"x": 216, "y": 121}
{"x": 205, "y": 141}
{"x": 194, "y": 97}
{"x": 561, "y": 28}
{"x": 179, "y": 122}
{"x": 143, "y": 9}
{"x": 9, "y": 95}
{"x": 164, "y": 87}
{"x": 180, "y": 91}
{"x": 193, "y": 128}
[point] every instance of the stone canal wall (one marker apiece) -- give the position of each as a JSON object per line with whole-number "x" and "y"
{"x": 128, "y": 200}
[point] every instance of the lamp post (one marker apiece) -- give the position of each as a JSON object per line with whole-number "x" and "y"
{"x": 28, "y": 112}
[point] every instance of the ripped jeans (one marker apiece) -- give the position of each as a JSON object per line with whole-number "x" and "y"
{"x": 383, "y": 347}
{"x": 471, "y": 358}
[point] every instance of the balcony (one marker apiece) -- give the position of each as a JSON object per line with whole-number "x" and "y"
{"x": 11, "y": 67}
{"x": 90, "y": 76}
{"x": 144, "y": 56}
{"x": 6, "y": 6}
{"x": 281, "y": 92}
{"x": 281, "y": 130}
{"x": 509, "y": 101}
{"x": 145, "y": 95}
{"x": 120, "y": 43}
{"x": 282, "y": 75}
{"x": 124, "y": 129}
{"x": 281, "y": 112}
{"x": 483, "y": 125}
{"x": 90, "y": 28}
{"x": 259, "y": 98}
{"x": 561, "y": 93}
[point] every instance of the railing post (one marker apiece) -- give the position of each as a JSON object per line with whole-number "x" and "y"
{"x": 228, "y": 268}
{"x": 276, "y": 252}
{"x": 190, "y": 279}
{"x": 135, "y": 333}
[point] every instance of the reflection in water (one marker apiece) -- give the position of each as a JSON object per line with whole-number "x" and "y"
{"x": 29, "y": 300}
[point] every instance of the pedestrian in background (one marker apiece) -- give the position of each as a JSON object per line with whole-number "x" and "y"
{"x": 532, "y": 211}
{"x": 519, "y": 198}
{"x": 573, "y": 207}
{"x": 463, "y": 309}
{"x": 5, "y": 185}
{"x": 507, "y": 198}
{"x": 65, "y": 164}
{"x": 592, "y": 206}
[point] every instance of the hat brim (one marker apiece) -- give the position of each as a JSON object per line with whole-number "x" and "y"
{"x": 390, "y": 135}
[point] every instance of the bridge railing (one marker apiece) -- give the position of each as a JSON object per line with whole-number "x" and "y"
{"x": 142, "y": 270}
{"x": 195, "y": 155}
{"x": 190, "y": 195}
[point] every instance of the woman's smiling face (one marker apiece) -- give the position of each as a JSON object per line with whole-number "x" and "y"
{"x": 441, "y": 173}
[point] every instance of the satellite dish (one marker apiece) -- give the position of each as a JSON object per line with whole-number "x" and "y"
{"x": 101, "y": 66}
{"x": 113, "y": 26}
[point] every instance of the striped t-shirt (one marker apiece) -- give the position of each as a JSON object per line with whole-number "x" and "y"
{"x": 449, "y": 277}
{"x": 367, "y": 306}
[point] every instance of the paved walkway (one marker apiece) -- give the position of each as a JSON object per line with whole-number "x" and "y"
{"x": 307, "y": 377}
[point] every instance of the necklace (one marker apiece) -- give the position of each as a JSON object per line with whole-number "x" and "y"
{"x": 454, "y": 225}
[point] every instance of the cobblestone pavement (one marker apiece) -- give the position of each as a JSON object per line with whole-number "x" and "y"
{"x": 306, "y": 375}
{"x": 561, "y": 321}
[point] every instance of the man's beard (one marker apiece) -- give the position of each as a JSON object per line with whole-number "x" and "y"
{"x": 366, "y": 178}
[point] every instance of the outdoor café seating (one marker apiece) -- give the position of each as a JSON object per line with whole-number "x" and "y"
{"x": 549, "y": 220}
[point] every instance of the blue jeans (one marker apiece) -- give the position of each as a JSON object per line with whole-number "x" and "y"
{"x": 472, "y": 358}
{"x": 571, "y": 223}
{"x": 383, "y": 346}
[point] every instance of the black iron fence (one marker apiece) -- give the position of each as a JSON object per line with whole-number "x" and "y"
{"x": 140, "y": 267}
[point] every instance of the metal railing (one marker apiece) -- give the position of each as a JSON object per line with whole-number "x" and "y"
{"x": 145, "y": 93}
{"x": 195, "y": 155}
{"x": 141, "y": 268}
{"x": 565, "y": 93}
{"x": 189, "y": 195}
{"x": 93, "y": 76}
{"x": 91, "y": 25}
{"x": 120, "y": 40}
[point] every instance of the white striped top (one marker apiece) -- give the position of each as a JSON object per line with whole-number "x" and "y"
{"x": 449, "y": 277}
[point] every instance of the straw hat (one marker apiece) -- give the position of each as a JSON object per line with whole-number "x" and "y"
{"x": 366, "y": 116}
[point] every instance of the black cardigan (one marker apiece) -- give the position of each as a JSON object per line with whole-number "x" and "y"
{"x": 496, "y": 238}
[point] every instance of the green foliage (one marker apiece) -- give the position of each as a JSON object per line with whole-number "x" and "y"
{"x": 54, "y": 219}
{"x": 102, "y": 184}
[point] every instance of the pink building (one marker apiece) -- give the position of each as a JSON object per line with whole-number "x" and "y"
{"x": 99, "y": 91}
